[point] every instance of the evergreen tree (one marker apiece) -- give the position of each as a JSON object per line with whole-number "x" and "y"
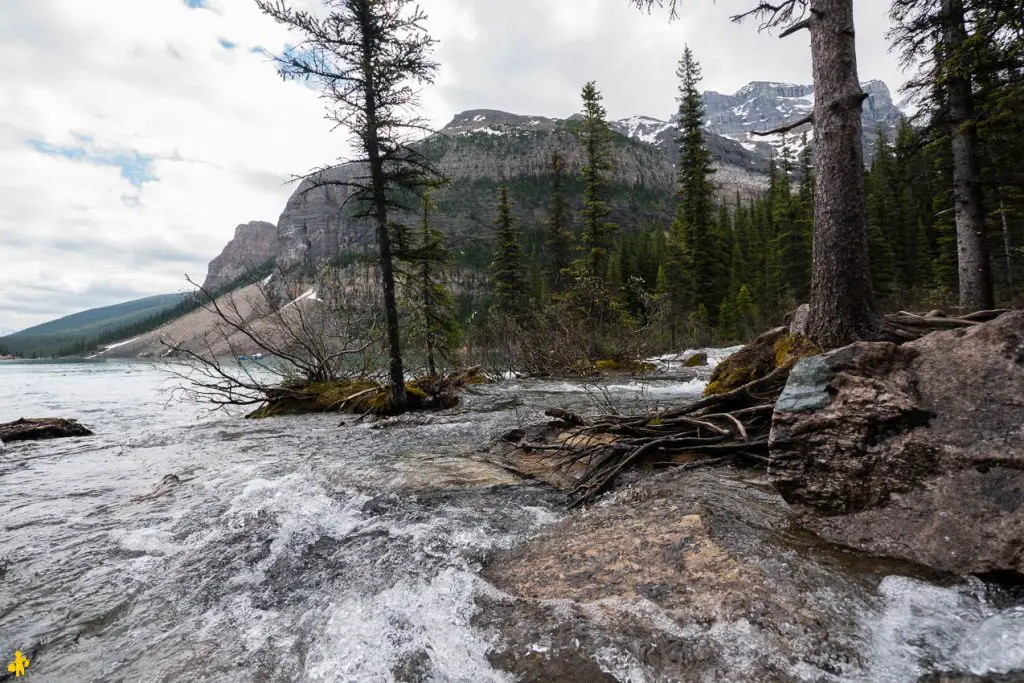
{"x": 933, "y": 35}
{"x": 790, "y": 254}
{"x": 432, "y": 322}
{"x": 559, "y": 240}
{"x": 677, "y": 271}
{"x": 883, "y": 219}
{"x": 746, "y": 313}
{"x": 508, "y": 281}
{"x": 598, "y": 232}
{"x": 696, "y": 192}
{"x": 365, "y": 54}
{"x": 842, "y": 302}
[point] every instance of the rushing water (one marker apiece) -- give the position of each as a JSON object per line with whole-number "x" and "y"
{"x": 301, "y": 549}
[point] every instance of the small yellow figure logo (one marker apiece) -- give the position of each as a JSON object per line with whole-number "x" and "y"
{"x": 18, "y": 666}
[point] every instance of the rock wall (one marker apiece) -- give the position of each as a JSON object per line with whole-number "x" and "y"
{"x": 254, "y": 244}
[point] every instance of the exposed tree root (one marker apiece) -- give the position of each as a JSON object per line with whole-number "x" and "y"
{"x": 728, "y": 428}
{"x": 905, "y": 326}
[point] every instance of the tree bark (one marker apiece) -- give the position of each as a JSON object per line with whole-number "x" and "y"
{"x": 396, "y": 374}
{"x": 975, "y": 270}
{"x": 842, "y": 301}
{"x": 1007, "y": 250}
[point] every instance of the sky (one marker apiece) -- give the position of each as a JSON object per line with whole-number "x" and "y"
{"x": 136, "y": 134}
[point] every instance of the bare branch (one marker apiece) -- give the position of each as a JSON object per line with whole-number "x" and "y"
{"x": 786, "y": 128}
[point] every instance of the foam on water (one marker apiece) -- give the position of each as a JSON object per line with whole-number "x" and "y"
{"x": 923, "y": 628}
{"x": 295, "y": 550}
{"x": 421, "y": 627}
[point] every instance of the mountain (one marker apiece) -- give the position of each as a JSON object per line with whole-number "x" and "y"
{"x": 254, "y": 244}
{"x": 762, "y": 106}
{"x": 483, "y": 148}
{"x": 80, "y": 329}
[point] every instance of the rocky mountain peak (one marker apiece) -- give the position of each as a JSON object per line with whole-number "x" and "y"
{"x": 495, "y": 122}
{"x": 253, "y": 245}
{"x": 763, "y": 105}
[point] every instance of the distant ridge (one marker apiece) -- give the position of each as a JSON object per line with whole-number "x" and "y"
{"x": 56, "y": 336}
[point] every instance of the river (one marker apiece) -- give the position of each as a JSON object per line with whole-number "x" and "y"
{"x": 315, "y": 549}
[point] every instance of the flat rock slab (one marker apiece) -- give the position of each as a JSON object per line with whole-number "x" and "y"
{"x": 913, "y": 451}
{"x": 40, "y": 428}
{"x": 685, "y": 576}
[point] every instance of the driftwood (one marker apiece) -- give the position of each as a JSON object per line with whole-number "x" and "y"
{"x": 729, "y": 428}
{"x": 905, "y": 326}
{"x": 37, "y": 429}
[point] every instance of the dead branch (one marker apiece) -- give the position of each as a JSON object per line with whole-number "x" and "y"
{"x": 785, "y": 128}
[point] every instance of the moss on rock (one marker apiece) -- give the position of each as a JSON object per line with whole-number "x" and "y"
{"x": 363, "y": 396}
{"x": 773, "y": 349}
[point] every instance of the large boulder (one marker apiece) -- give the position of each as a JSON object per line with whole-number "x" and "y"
{"x": 912, "y": 451}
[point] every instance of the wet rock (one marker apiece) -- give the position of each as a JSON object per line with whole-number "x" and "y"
{"x": 912, "y": 451}
{"x": 697, "y": 360}
{"x": 682, "y": 577}
{"x": 1017, "y": 677}
{"x": 770, "y": 350}
{"x": 38, "y": 429}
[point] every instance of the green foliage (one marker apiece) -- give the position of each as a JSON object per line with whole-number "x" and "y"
{"x": 430, "y": 318}
{"x": 508, "y": 280}
{"x": 559, "y": 238}
{"x": 596, "y": 137}
{"x": 696, "y": 192}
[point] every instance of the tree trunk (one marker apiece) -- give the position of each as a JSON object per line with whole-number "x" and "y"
{"x": 842, "y": 300}
{"x": 975, "y": 271}
{"x": 1007, "y": 251}
{"x": 396, "y": 374}
{"x": 427, "y": 317}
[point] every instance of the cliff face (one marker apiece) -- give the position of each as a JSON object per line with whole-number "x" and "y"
{"x": 253, "y": 245}
{"x": 481, "y": 149}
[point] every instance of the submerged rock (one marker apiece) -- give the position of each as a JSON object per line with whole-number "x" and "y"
{"x": 912, "y": 451}
{"x": 40, "y": 428}
{"x": 697, "y": 360}
{"x": 683, "y": 577}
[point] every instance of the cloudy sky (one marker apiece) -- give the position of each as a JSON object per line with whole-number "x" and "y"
{"x": 135, "y": 134}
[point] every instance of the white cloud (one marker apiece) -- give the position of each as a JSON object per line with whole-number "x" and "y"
{"x": 223, "y": 131}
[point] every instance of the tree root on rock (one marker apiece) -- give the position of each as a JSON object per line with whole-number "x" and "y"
{"x": 729, "y": 428}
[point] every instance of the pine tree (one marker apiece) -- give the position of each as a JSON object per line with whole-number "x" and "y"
{"x": 746, "y": 313}
{"x": 508, "y": 281}
{"x": 933, "y": 34}
{"x": 559, "y": 239}
{"x": 677, "y": 270}
{"x": 696, "y": 192}
{"x": 365, "y": 54}
{"x": 792, "y": 248}
{"x": 598, "y": 232}
{"x": 432, "y": 321}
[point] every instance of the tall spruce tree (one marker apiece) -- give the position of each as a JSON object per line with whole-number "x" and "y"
{"x": 366, "y": 55}
{"x": 432, "y": 322}
{"x": 598, "y": 232}
{"x": 696, "y": 213}
{"x": 559, "y": 237}
{"x": 933, "y": 35}
{"x": 508, "y": 276}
